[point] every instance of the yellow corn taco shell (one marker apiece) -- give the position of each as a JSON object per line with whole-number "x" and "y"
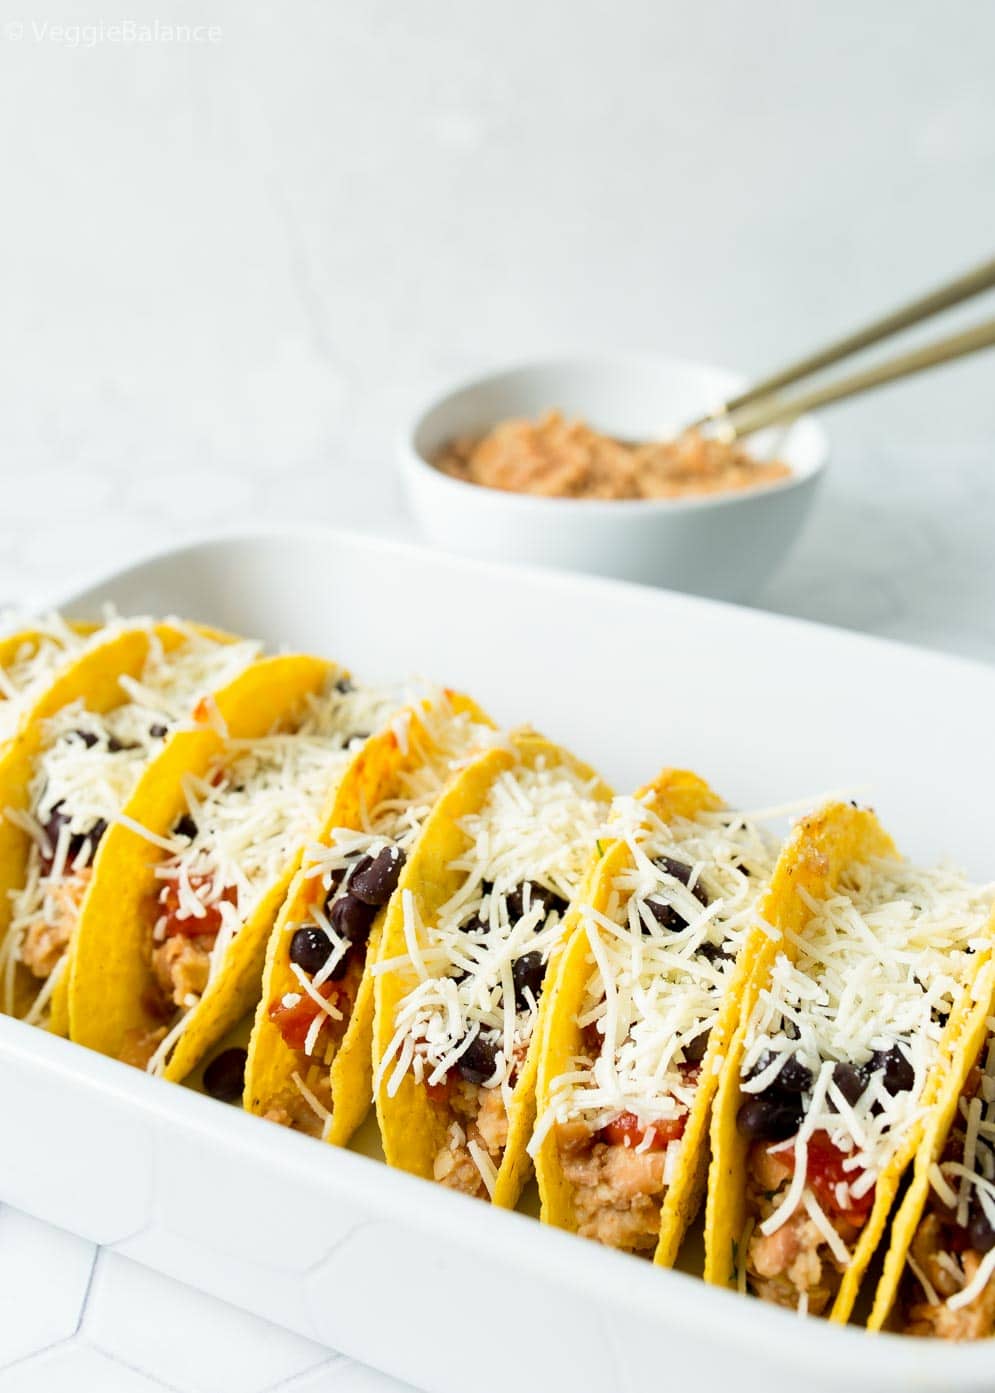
{"x": 813, "y": 861}
{"x": 111, "y": 977}
{"x": 412, "y": 1126}
{"x": 377, "y": 774}
{"x": 94, "y": 679}
{"x": 171, "y": 636}
{"x": 29, "y": 640}
{"x": 964, "y": 1047}
{"x": 675, "y": 793}
{"x": 412, "y": 1130}
{"x": 26, "y": 644}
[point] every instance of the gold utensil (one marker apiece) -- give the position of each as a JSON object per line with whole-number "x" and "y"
{"x": 763, "y": 405}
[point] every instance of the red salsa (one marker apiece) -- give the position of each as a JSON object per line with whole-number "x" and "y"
{"x": 627, "y": 1130}
{"x": 294, "y": 1022}
{"x": 204, "y": 925}
{"x": 824, "y": 1172}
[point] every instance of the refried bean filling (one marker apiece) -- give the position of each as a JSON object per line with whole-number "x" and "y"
{"x": 559, "y": 458}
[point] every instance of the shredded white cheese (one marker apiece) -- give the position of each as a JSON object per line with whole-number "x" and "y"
{"x": 977, "y": 1283}
{"x": 536, "y": 825}
{"x": 87, "y": 768}
{"x": 654, "y": 994}
{"x": 434, "y": 749}
{"x": 484, "y": 1164}
{"x": 923, "y": 1280}
{"x": 973, "y": 1137}
{"x": 880, "y": 965}
{"x": 255, "y": 806}
{"x": 32, "y": 667}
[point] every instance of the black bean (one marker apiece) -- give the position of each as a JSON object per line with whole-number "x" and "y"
{"x": 670, "y": 919}
{"x": 695, "y": 1050}
{"x": 57, "y": 818}
{"x": 158, "y": 731}
{"x": 538, "y": 894}
{"x": 310, "y": 949}
{"x": 766, "y": 1119}
{"x": 764, "y": 1062}
{"x": 185, "y": 827}
{"x": 224, "y": 1077}
{"x": 85, "y": 737}
{"x": 980, "y": 1231}
{"x": 850, "y": 1081}
{"x": 358, "y": 866}
{"x": 92, "y": 835}
{"x": 528, "y": 972}
{"x": 898, "y": 1074}
{"x": 352, "y": 918}
{"x": 78, "y": 839}
{"x": 333, "y": 880}
{"x": 714, "y": 953}
{"x": 342, "y": 966}
{"x": 477, "y": 1061}
{"x": 681, "y": 871}
{"x": 115, "y": 746}
{"x": 793, "y": 1076}
{"x": 375, "y": 878}
{"x": 480, "y": 923}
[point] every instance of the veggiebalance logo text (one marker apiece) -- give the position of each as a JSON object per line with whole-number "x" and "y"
{"x": 121, "y": 31}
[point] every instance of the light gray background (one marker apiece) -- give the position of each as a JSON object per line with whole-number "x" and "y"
{"x": 228, "y": 269}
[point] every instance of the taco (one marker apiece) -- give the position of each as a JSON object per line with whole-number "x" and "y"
{"x": 463, "y": 958}
{"x": 309, "y": 1064}
{"x": 862, "y": 983}
{"x": 173, "y": 937}
{"x": 30, "y": 660}
{"x": 641, "y": 1008}
{"x": 941, "y": 1258}
{"x": 66, "y": 776}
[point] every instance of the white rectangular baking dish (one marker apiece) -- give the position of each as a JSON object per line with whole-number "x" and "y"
{"x": 427, "y": 1285}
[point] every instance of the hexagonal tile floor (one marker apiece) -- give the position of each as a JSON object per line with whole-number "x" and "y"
{"x": 75, "y": 1317}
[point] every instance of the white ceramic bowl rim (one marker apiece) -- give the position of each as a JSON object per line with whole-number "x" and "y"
{"x": 800, "y": 473}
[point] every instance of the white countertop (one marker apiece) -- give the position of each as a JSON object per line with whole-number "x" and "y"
{"x": 76, "y": 1318}
{"x": 899, "y": 543}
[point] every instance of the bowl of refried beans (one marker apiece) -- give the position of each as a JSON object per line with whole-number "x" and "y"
{"x": 582, "y": 464}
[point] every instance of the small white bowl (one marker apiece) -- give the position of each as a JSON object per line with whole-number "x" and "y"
{"x": 725, "y": 545}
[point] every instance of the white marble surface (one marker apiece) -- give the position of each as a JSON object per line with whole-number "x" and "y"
{"x": 74, "y": 1317}
{"x": 899, "y": 543}
{"x": 227, "y": 268}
